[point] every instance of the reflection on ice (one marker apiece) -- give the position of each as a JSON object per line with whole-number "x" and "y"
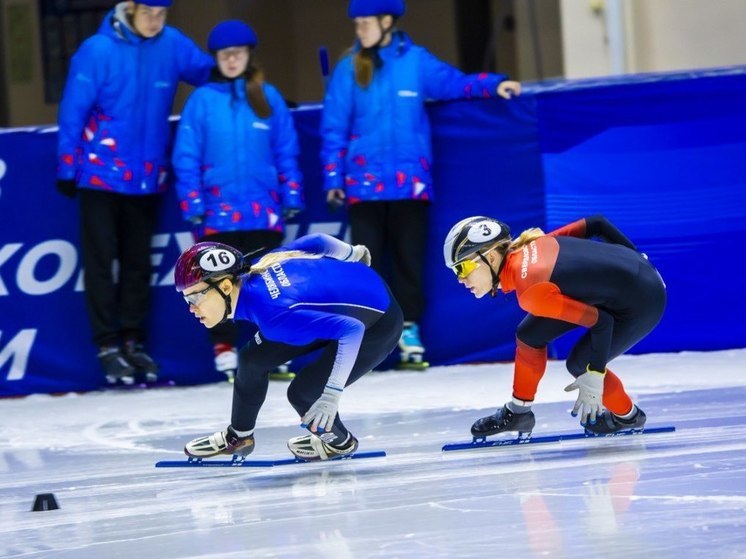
{"x": 682, "y": 494}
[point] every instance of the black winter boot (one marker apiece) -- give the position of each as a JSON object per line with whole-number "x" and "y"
{"x": 117, "y": 368}
{"x": 146, "y": 368}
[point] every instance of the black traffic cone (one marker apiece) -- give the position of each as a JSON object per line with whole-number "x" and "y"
{"x": 45, "y": 501}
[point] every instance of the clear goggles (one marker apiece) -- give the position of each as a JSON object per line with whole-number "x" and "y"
{"x": 197, "y": 297}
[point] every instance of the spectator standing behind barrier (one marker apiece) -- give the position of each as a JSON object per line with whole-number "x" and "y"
{"x": 113, "y": 136}
{"x": 314, "y": 295}
{"x": 236, "y": 159}
{"x": 376, "y": 147}
{"x": 563, "y": 280}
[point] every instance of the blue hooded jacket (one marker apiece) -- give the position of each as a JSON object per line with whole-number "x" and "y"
{"x": 235, "y": 169}
{"x": 376, "y": 141}
{"x": 113, "y": 118}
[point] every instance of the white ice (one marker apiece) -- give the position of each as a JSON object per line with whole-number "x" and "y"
{"x": 652, "y": 496}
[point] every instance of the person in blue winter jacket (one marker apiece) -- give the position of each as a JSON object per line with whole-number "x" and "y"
{"x": 376, "y": 147}
{"x": 112, "y": 149}
{"x": 314, "y": 294}
{"x": 235, "y": 159}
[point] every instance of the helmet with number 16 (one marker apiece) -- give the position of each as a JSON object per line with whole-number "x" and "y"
{"x": 205, "y": 261}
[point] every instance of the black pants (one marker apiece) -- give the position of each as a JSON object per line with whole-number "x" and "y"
{"x": 245, "y": 241}
{"x": 117, "y": 227}
{"x": 397, "y": 229}
{"x": 641, "y": 314}
{"x": 260, "y": 356}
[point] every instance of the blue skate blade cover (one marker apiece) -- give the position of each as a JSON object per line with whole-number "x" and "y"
{"x": 484, "y": 443}
{"x": 239, "y": 463}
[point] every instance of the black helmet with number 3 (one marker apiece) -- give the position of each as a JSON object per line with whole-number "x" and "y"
{"x": 472, "y": 235}
{"x": 207, "y": 260}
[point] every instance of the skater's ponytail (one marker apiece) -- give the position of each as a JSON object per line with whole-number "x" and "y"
{"x": 523, "y": 239}
{"x": 273, "y": 258}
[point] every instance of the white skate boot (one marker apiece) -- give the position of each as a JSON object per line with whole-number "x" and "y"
{"x": 223, "y": 442}
{"x": 311, "y": 447}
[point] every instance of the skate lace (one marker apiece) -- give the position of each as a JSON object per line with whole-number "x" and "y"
{"x": 504, "y": 418}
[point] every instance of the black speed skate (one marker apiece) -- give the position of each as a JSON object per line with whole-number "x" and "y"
{"x": 607, "y": 423}
{"x": 504, "y": 420}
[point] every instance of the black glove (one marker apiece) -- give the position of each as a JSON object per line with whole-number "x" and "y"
{"x": 67, "y": 187}
{"x": 335, "y": 199}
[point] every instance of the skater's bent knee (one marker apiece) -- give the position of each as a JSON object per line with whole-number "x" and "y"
{"x": 298, "y": 399}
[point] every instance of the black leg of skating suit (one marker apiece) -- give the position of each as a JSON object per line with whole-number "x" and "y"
{"x": 256, "y": 360}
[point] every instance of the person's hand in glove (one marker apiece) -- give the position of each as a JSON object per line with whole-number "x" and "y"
{"x": 335, "y": 199}
{"x": 590, "y": 386}
{"x": 360, "y": 253}
{"x": 67, "y": 187}
{"x": 320, "y": 416}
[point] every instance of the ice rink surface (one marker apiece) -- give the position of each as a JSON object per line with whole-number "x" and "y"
{"x": 653, "y": 496}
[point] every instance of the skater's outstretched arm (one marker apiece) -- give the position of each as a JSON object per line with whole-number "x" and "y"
{"x": 326, "y": 245}
{"x": 594, "y": 226}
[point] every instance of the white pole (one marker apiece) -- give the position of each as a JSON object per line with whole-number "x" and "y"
{"x": 617, "y": 37}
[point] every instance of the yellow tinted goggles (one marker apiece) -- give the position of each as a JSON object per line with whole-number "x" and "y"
{"x": 463, "y": 269}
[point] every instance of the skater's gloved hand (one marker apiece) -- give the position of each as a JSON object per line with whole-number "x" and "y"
{"x": 591, "y": 391}
{"x": 320, "y": 416}
{"x": 360, "y": 253}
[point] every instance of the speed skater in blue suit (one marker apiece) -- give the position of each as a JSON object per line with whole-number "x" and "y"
{"x": 316, "y": 294}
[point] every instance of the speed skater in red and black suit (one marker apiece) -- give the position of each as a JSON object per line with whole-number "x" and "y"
{"x": 564, "y": 279}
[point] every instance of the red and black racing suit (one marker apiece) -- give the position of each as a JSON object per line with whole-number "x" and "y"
{"x": 565, "y": 280}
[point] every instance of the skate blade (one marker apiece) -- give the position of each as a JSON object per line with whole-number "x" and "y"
{"x": 238, "y": 462}
{"x": 281, "y": 376}
{"x": 410, "y": 366}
